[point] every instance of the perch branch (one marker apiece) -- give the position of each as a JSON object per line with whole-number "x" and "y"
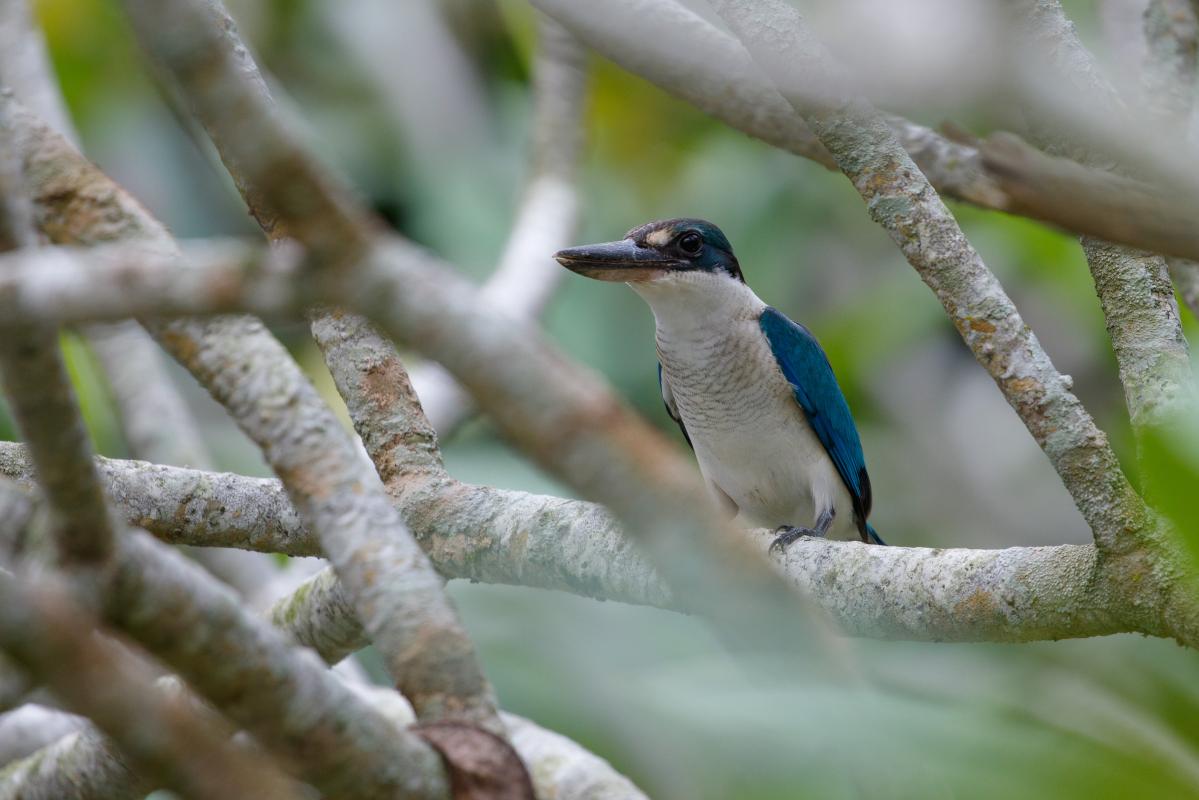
{"x": 496, "y": 536}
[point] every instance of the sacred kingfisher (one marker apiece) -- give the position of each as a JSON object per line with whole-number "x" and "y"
{"x": 752, "y": 391}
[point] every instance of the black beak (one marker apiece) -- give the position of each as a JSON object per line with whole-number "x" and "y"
{"x": 614, "y": 261}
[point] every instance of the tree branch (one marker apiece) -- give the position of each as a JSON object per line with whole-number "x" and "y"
{"x": 41, "y": 397}
{"x": 82, "y": 766}
{"x": 1169, "y": 77}
{"x": 166, "y": 737}
{"x": 1134, "y": 287}
{"x": 393, "y": 586}
{"x": 154, "y": 418}
{"x": 684, "y": 54}
{"x": 496, "y": 536}
{"x": 526, "y": 276}
{"x": 352, "y": 755}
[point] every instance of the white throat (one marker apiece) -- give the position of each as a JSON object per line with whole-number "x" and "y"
{"x": 686, "y": 302}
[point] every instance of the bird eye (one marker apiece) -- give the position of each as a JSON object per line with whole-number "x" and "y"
{"x": 691, "y": 243}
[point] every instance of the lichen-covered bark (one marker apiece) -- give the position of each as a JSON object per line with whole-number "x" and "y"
{"x": 1134, "y": 287}
{"x": 1169, "y": 77}
{"x": 1143, "y": 324}
{"x": 1172, "y": 35}
{"x": 231, "y": 510}
{"x": 255, "y": 676}
{"x": 81, "y": 766}
{"x": 680, "y": 51}
{"x": 497, "y": 536}
{"x": 169, "y": 736}
{"x": 319, "y": 615}
{"x": 394, "y": 589}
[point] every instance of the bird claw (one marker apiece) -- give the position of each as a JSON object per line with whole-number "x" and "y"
{"x": 788, "y": 534}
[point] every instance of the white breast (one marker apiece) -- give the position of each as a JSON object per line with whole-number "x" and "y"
{"x": 751, "y": 438}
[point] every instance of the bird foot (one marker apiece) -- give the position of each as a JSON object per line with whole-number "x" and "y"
{"x": 788, "y": 534}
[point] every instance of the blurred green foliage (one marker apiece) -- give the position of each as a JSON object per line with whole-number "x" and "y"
{"x": 653, "y": 691}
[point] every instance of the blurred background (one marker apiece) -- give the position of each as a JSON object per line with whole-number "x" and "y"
{"x": 425, "y": 105}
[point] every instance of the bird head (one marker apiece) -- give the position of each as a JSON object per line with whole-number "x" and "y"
{"x": 662, "y": 252}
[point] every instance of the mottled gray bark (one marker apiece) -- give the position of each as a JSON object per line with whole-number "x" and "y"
{"x": 40, "y": 393}
{"x": 390, "y": 581}
{"x": 497, "y": 536}
{"x": 680, "y": 51}
{"x": 1134, "y": 287}
{"x": 1169, "y": 75}
{"x": 168, "y": 736}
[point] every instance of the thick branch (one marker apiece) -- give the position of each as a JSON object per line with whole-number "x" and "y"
{"x": 1169, "y": 77}
{"x": 1134, "y": 287}
{"x": 253, "y": 674}
{"x": 394, "y": 588}
{"x": 168, "y": 737}
{"x": 495, "y": 536}
{"x": 680, "y": 51}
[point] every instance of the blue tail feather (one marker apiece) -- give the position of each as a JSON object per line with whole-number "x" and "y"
{"x": 873, "y": 534}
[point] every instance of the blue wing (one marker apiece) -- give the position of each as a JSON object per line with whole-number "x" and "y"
{"x": 806, "y": 368}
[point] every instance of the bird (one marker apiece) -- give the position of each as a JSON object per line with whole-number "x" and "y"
{"x": 752, "y": 391}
